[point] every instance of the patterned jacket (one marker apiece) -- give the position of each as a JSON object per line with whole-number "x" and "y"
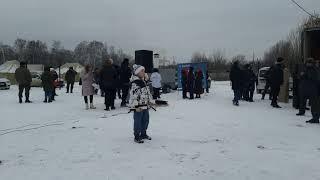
{"x": 140, "y": 95}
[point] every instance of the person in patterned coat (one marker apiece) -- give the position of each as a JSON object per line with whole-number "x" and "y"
{"x": 139, "y": 103}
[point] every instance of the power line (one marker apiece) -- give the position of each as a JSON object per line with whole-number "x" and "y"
{"x": 303, "y": 9}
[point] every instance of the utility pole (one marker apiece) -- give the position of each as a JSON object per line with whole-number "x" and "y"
{"x": 3, "y": 56}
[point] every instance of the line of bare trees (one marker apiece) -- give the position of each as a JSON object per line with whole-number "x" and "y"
{"x": 37, "y": 52}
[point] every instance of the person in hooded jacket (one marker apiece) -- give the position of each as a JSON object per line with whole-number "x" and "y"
{"x": 47, "y": 84}
{"x": 125, "y": 75}
{"x": 140, "y": 100}
{"x": 108, "y": 77}
{"x": 199, "y": 83}
{"x": 156, "y": 83}
{"x": 87, "y": 88}
{"x": 236, "y": 78}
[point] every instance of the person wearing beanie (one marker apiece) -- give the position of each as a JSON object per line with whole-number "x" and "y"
{"x": 24, "y": 79}
{"x": 276, "y": 80}
{"x": 139, "y": 103}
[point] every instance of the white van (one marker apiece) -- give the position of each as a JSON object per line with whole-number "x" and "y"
{"x": 262, "y": 79}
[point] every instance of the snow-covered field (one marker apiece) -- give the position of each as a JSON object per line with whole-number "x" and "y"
{"x": 202, "y": 139}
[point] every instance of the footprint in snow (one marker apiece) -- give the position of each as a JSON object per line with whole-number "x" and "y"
{"x": 261, "y": 147}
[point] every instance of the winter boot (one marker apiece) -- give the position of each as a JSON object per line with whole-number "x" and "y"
{"x": 107, "y": 108}
{"x": 92, "y": 106}
{"x": 313, "y": 121}
{"x": 113, "y": 108}
{"x": 45, "y": 100}
{"x": 138, "y": 140}
{"x": 28, "y": 101}
{"x": 20, "y": 100}
{"x": 300, "y": 113}
{"x": 145, "y": 136}
{"x": 87, "y": 106}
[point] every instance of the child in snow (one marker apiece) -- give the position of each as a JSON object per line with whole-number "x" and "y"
{"x": 156, "y": 83}
{"x": 47, "y": 84}
{"x": 139, "y": 102}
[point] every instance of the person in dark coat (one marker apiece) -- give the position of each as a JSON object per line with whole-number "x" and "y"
{"x": 24, "y": 79}
{"x": 118, "y": 84}
{"x": 236, "y": 78}
{"x": 47, "y": 84}
{"x": 184, "y": 78}
{"x": 125, "y": 75}
{"x": 55, "y": 78}
{"x": 311, "y": 83}
{"x": 108, "y": 77}
{"x": 199, "y": 83}
{"x": 250, "y": 82}
{"x": 191, "y": 82}
{"x": 276, "y": 80}
{"x": 267, "y": 86}
{"x": 70, "y": 78}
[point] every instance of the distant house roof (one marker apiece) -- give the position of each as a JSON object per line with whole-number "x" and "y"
{"x": 76, "y": 66}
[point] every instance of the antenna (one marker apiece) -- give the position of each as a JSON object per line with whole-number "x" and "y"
{"x": 303, "y": 9}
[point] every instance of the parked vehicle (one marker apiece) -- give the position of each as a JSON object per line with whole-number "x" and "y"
{"x": 36, "y": 80}
{"x": 4, "y": 84}
{"x": 262, "y": 79}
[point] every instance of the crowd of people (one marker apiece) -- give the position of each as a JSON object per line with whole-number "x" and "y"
{"x": 243, "y": 82}
{"x": 192, "y": 82}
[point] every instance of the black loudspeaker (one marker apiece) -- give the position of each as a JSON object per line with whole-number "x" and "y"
{"x": 144, "y": 58}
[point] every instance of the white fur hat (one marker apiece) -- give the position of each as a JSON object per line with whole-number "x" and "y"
{"x": 137, "y": 69}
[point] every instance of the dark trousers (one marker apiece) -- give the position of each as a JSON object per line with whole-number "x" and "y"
{"x": 26, "y": 89}
{"x": 315, "y": 108}
{"x": 156, "y": 93}
{"x": 70, "y": 85}
{"x": 141, "y": 123}
{"x": 109, "y": 97}
{"x": 86, "y": 99}
{"x": 184, "y": 91}
{"x": 251, "y": 93}
{"x": 274, "y": 94}
{"x": 125, "y": 92}
{"x": 266, "y": 88}
{"x": 48, "y": 96}
{"x": 302, "y": 103}
{"x": 191, "y": 92}
{"x": 237, "y": 96}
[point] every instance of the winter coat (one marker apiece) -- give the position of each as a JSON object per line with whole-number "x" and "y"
{"x": 199, "y": 83}
{"x": 87, "y": 81}
{"x": 276, "y": 75}
{"x": 236, "y": 77}
{"x": 250, "y": 79}
{"x": 156, "y": 80}
{"x": 184, "y": 78}
{"x": 23, "y": 76}
{"x": 47, "y": 81}
{"x": 190, "y": 80}
{"x": 108, "y": 78}
{"x": 117, "y": 80}
{"x": 309, "y": 82}
{"x": 140, "y": 95}
{"x": 125, "y": 74}
{"x": 71, "y": 76}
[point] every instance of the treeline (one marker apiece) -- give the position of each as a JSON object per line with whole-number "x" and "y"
{"x": 38, "y": 52}
{"x": 290, "y": 47}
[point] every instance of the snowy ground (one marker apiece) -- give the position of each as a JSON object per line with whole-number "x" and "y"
{"x": 202, "y": 139}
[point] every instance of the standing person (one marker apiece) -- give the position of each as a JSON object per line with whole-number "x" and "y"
{"x": 307, "y": 85}
{"x": 236, "y": 81}
{"x": 23, "y": 78}
{"x": 184, "y": 78}
{"x": 276, "y": 80}
{"x": 253, "y": 80}
{"x": 190, "y": 82}
{"x": 96, "y": 78}
{"x": 117, "y": 81}
{"x": 70, "y": 78}
{"x": 139, "y": 102}
{"x": 125, "y": 75}
{"x": 267, "y": 86}
{"x": 312, "y": 74}
{"x": 199, "y": 83}
{"x": 47, "y": 84}
{"x": 156, "y": 83}
{"x": 108, "y": 76}
{"x": 208, "y": 81}
{"x": 87, "y": 88}
{"x": 56, "y": 82}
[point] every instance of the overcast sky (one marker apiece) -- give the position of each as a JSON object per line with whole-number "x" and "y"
{"x": 176, "y": 27}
